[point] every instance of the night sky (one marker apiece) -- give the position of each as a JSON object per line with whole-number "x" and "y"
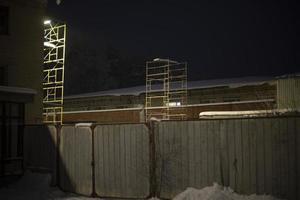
{"x": 218, "y": 39}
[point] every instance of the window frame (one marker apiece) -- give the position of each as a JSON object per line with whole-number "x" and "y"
{"x": 4, "y": 15}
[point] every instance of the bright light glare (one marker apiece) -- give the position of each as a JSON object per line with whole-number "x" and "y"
{"x": 174, "y": 104}
{"x": 47, "y": 22}
{"x": 49, "y": 44}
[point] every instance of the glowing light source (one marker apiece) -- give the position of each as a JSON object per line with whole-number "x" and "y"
{"x": 53, "y": 71}
{"x": 47, "y": 22}
{"x": 49, "y": 44}
{"x": 174, "y": 104}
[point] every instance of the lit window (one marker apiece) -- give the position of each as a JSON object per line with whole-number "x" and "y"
{"x": 174, "y": 104}
{"x": 4, "y": 13}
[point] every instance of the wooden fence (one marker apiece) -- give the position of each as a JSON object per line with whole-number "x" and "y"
{"x": 248, "y": 155}
{"x": 255, "y": 155}
{"x": 122, "y": 161}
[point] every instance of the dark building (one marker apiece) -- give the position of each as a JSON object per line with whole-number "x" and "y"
{"x": 236, "y": 94}
{"x": 21, "y": 59}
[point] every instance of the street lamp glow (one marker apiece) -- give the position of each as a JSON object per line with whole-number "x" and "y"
{"x": 49, "y": 44}
{"x": 47, "y": 22}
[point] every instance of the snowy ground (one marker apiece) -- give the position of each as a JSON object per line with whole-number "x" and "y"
{"x": 217, "y": 192}
{"x": 34, "y": 186}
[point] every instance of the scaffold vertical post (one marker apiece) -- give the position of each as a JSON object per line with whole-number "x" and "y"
{"x": 53, "y": 72}
{"x": 166, "y": 90}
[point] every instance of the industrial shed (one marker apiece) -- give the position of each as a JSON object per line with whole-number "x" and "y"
{"x": 126, "y": 105}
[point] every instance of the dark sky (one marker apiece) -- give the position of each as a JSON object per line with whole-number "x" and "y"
{"x": 217, "y": 38}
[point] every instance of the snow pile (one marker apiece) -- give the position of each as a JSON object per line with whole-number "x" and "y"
{"x": 217, "y": 192}
{"x": 154, "y": 198}
{"x": 246, "y": 113}
{"x": 35, "y": 186}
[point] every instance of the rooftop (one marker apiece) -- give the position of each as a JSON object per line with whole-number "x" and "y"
{"x": 202, "y": 84}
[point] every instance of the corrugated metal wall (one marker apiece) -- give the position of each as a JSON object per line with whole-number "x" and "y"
{"x": 255, "y": 155}
{"x": 122, "y": 160}
{"x": 75, "y": 165}
{"x": 288, "y": 93}
{"x": 249, "y": 155}
{"x": 186, "y": 156}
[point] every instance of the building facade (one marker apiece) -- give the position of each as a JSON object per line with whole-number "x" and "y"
{"x": 238, "y": 94}
{"x": 21, "y": 60}
{"x": 288, "y": 92}
{"x": 21, "y": 55}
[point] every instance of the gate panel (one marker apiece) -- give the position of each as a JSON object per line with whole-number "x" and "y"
{"x": 122, "y": 161}
{"x": 75, "y": 166}
{"x": 251, "y": 155}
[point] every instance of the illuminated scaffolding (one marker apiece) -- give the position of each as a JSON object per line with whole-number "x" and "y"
{"x": 166, "y": 90}
{"x": 53, "y": 72}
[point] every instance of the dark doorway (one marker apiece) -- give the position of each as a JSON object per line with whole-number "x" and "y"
{"x": 11, "y": 138}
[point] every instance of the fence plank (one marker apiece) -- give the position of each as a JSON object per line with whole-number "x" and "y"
{"x": 165, "y": 147}
{"x": 253, "y": 148}
{"x": 224, "y": 153}
{"x": 176, "y": 156}
{"x": 231, "y": 153}
{"x": 260, "y": 154}
{"x": 191, "y": 153}
{"x": 291, "y": 145}
{"x": 292, "y": 154}
{"x": 217, "y": 164}
{"x": 198, "y": 158}
{"x": 106, "y": 175}
{"x": 99, "y": 147}
{"x": 284, "y": 167}
{"x": 123, "y": 159}
{"x": 269, "y": 154}
{"x": 246, "y": 155}
{"x": 111, "y": 160}
{"x": 123, "y": 173}
{"x": 203, "y": 149}
{"x": 276, "y": 159}
{"x": 117, "y": 161}
{"x": 184, "y": 161}
{"x": 76, "y": 157}
{"x": 239, "y": 156}
{"x": 210, "y": 153}
{"x": 134, "y": 155}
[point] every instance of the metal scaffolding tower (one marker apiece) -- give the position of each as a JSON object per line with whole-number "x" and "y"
{"x": 166, "y": 90}
{"x": 53, "y": 72}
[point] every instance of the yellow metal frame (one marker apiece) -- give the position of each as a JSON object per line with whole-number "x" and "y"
{"x": 166, "y": 84}
{"x": 53, "y": 72}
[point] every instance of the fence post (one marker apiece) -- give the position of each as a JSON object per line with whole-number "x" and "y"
{"x": 93, "y": 161}
{"x": 57, "y": 171}
{"x": 153, "y": 180}
{"x": 297, "y": 162}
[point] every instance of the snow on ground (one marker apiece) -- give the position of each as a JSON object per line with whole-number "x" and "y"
{"x": 35, "y": 186}
{"x": 217, "y": 192}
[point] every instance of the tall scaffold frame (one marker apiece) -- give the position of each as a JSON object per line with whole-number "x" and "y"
{"x": 166, "y": 90}
{"x": 53, "y": 71}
